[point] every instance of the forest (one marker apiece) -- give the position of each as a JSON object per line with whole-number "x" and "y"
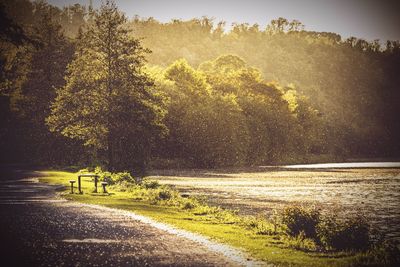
{"x": 91, "y": 87}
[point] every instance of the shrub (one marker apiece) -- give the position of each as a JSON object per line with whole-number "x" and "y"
{"x": 114, "y": 178}
{"x": 386, "y": 253}
{"x": 104, "y": 175}
{"x": 122, "y": 177}
{"x": 150, "y": 184}
{"x": 164, "y": 194}
{"x": 297, "y": 219}
{"x": 188, "y": 203}
{"x": 352, "y": 234}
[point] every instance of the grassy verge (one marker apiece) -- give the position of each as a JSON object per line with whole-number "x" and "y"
{"x": 256, "y": 237}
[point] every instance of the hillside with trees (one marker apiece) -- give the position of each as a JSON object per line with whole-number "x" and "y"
{"x": 351, "y": 82}
{"x": 76, "y": 89}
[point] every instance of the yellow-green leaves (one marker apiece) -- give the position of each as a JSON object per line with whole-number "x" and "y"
{"x": 108, "y": 101}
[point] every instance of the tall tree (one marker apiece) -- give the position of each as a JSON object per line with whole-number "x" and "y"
{"x": 108, "y": 102}
{"x": 35, "y": 67}
{"x": 207, "y": 128}
{"x": 48, "y": 64}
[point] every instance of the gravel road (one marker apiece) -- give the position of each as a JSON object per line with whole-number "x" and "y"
{"x": 37, "y": 229}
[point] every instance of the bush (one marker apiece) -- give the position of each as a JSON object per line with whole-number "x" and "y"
{"x": 104, "y": 175}
{"x": 297, "y": 219}
{"x": 383, "y": 254}
{"x": 188, "y": 204}
{"x": 164, "y": 194}
{"x": 352, "y": 234}
{"x": 122, "y": 177}
{"x": 152, "y": 184}
{"x": 114, "y": 178}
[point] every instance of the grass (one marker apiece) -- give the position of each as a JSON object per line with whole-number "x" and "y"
{"x": 245, "y": 234}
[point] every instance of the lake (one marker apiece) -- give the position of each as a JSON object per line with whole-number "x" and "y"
{"x": 348, "y": 189}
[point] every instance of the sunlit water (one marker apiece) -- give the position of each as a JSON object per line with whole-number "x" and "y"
{"x": 374, "y": 193}
{"x": 345, "y": 165}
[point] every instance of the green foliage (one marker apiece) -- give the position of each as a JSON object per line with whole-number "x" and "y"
{"x": 33, "y": 59}
{"x": 189, "y": 204}
{"x": 216, "y": 102}
{"x": 351, "y": 234}
{"x": 383, "y": 254}
{"x": 259, "y": 225}
{"x": 300, "y": 220}
{"x": 108, "y": 101}
{"x": 115, "y": 178}
{"x": 157, "y": 194}
{"x": 225, "y": 114}
{"x": 123, "y": 177}
{"x": 301, "y": 242}
{"x": 348, "y": 81}
{"x": 327, "y": 231}
{"x": 163, "y": 194}
{"x": 150, "y": 184}
{"x": 206, "y": 127}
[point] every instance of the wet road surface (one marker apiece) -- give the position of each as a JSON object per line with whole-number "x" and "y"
{"x": 37, "y": 229}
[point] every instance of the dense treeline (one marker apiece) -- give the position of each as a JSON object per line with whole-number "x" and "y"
{"x": 351, "y": 82}
{"x": 34, "y": 57}
{"x": 224, "y": 113}
{"x": 205, "y": 98}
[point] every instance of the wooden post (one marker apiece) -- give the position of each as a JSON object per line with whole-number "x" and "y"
{"x": 79, "y": 185}
{"x": 95, "y": 183}
{"x": 72, "y": 186}
{"x": 104, "y": 187}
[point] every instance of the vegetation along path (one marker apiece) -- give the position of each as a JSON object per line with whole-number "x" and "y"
{"x": 40, "y": 229}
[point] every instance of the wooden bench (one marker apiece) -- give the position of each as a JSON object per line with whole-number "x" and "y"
{"x": 104, "y": 184}
{"x": 72, "y": 185}
{"x": 91, "y": 175}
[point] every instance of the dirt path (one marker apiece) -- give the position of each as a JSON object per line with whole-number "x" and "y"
{"x": 38, "y": 229}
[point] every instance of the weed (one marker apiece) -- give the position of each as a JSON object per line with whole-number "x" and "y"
{"x": 386, "y": 253}
{"x": 300, "y": 242}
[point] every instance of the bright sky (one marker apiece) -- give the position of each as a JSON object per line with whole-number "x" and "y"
{"x": 368, "y": 19}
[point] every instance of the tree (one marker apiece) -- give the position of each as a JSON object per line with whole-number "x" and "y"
{"x": 268, "y": 121}
{"x": 13, "y": 38}
{"x": 108, "y": 102}
{"x": 36, "y": 67}
{"x": 206, "y": 128}
{"x": 47, "y": 67}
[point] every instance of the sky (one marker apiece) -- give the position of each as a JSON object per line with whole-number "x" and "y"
{"x": 367, "y": 19}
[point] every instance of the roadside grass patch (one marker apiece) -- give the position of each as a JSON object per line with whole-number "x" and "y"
{"x": 265, "y": 239}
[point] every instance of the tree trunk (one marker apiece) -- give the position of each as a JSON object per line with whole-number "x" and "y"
{"x": 109, "y": 87}
{"x": 110, "y": 153}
